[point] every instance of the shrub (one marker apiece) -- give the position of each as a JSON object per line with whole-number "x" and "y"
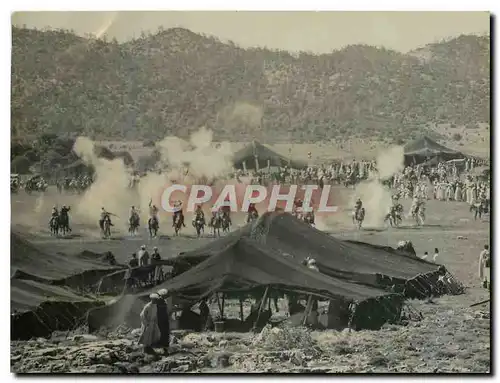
{"x": 20, "y": 164}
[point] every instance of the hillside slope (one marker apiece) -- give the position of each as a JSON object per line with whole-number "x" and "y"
{"x": 175, "y": 81}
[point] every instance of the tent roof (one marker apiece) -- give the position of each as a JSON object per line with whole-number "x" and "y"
{"x": 26, "y": 258}
{"x": 345, "y": 259}
{"x": 26, "y": 295}
{"x": 426, "y": 146}
{"x": 249, "y": 152}
{"x": 290, "y": 237}
{"x": 246, "y": 264}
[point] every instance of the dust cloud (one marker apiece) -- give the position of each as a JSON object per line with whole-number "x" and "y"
{"x": 376, "y": 197}
{"x": 198, "y": 160}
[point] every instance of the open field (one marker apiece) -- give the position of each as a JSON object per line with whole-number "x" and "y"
{"x": 452, "y": 337}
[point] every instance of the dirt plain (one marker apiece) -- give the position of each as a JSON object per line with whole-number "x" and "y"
{"x": 452, "y": 337}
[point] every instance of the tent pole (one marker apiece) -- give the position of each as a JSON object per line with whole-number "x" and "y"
{"x": 218, "y": 302}
{"x": 261, "y": 306}
{"x": 307, "y": 310}
{"x": 241, "y": 309}
{"x": 223, "y": 304}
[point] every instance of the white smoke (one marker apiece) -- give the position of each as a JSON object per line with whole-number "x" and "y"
{"x": 376, "y": 197}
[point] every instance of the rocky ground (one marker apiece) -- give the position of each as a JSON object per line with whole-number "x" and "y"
{"x": 449, "y": 338}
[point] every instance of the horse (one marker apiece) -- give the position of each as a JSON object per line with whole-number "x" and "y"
{"x": 63, "y": 223}
{"x": 309, "y": 218}
{"x": 418, "y": 214}
{"x": 358, "y": 217}
{"x": 252, "y": 216}
{"x": 199, "y": 225}
{"x": 133, "y": 224}
{"x": 479, "y": 209}
{"x": 395, "y": 215}
{"x": 153, "y": 227}
{"x": 216, "y": 223}
{"x": 178, "y": 223}
{"x": 54, "y": 225}
{"x": 225, "y": 223}
{"x": 106, "y": 227}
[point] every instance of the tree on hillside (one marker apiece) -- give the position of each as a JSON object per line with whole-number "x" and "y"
{"x": 20, "y": 164}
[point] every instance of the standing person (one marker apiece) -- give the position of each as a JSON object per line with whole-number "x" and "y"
{"x": 150, "y": 331}
{"x": 163, "y": 320}
{"x": 143, "y": 256}
{"x": 435, "y": 256}
{"x": 484, "y": 263}
{"x": 133, "y": 262}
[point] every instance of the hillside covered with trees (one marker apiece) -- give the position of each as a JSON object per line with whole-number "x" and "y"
{"x": 175, "y": 81}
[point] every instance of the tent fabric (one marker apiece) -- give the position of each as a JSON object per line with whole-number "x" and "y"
{"x": 353, "y": 261}
{"x": 263, "y": 153}
{"x": 27, "y": 295}
{"x": 247, "y": 264}
{"x": 425, "y": 148}
{"x": 350, "y": 260}
{"x": 26, "y": 259}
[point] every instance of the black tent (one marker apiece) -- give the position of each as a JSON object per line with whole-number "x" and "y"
{"x": 360, "y": 262}
{"x": 256, "y": 151}
{"x": 244, "y": 266}
{"x": 424, "y": 149}
{"x": 41, "y": 297}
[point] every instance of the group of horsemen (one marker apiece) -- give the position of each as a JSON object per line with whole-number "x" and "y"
{"x": 178, "y": 215}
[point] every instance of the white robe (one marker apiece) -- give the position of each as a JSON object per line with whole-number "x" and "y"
{"x": 483, "y": 270}
{"x": 150, "y": 332}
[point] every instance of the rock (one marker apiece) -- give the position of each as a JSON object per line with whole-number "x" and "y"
{"x": 297, "y": 358}
{"x": 104, "y": 369}
{"x": 84, "y": 337}
{"x": 223, "y": 343}
{"x": 136, "y": 332}
{"x": 220, "y": 360}
{"x": 127, "y": 368}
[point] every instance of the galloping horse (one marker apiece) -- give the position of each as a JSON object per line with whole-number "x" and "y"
{"x": 395, "y": 215}
{"x": 133, "y": 227}
{"x": 179, "y": 221}
{"x": 63, "y": 223}
{"x": 418, "y": 214}
{"x": 153, "y": 227}
{"x": 216, "y": 223}
{"x": 252, "y": 216}
{"x": 309, "y": 218}
{"x": 358, "y": 217}
{"x": 199, "y": 225}
{"x": 107, "y": 227}
{"x": 225, "y": 223}
{"x": 54, "y": 225}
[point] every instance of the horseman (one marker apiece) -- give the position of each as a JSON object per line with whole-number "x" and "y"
{"x": 178, "y": 213}
{"x": 297, "y": 206}
{"x": 357, "y": 206}
{"x": 225, "y": 209}
{"x": 134, "y": 216}
{"x": 105, "y": 215}
{"x": 199, "y": 215}
{"x": 64, "y": 214}
{"x": 55, "y": 215}
{"x": 251, "y": 211}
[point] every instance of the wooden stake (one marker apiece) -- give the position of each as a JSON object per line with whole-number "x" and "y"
{"x": 241, "y": 310}
{"x": 261, "y": 306}
{"x": 307, "y": 310}
{"x": 223, "y": 304}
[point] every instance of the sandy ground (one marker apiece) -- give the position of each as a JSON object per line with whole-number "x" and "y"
{"x": 452, "y": 337}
